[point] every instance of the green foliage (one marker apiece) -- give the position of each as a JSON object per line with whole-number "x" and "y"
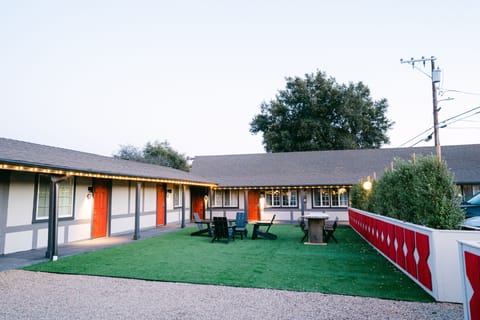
{"x": 317, "y": 113}
{"x": 360, "y": 198}
{"x": 159, "y": 153}
{"x": 419, "y": 191}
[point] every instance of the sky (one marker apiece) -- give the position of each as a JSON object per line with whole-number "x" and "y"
{"x": 97, "y": 75}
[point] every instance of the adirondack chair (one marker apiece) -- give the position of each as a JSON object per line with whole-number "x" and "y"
{"x": 241, "y": 224}
{"x": 329, "y": 230}
{"x": 257, "y": 232}
{"x": 203, "y": 227}
{"x": 304, "y": 227}
{"x": 222, "y": 230}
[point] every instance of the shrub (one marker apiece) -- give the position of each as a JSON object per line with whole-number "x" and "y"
{"x": 361, "y": 198}
{"x": 419, "y": 191}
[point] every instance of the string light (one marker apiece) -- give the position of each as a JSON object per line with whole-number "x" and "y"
{"x": 100, "y": 175}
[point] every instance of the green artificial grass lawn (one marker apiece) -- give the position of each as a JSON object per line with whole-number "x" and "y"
{"x": 350, "y": 267}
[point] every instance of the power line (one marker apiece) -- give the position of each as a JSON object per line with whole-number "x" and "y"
{"x": 442, "y": 91}
{"x": 461, "y": 114}
{"x": 435, "y": 78}
{"x": 442, "y": 124}
{"x": 420, "y": 134}
{"x": 461, "y": 119}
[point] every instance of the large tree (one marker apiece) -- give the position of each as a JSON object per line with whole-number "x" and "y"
{"x": 160, "y": 153}
{"x": 317, "y": 113}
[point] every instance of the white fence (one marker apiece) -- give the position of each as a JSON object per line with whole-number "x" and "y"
{"x": 428, "y": 256}
{"x": 470, "y": 269}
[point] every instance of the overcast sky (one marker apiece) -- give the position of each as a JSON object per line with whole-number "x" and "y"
{"x": 92, "y": 75}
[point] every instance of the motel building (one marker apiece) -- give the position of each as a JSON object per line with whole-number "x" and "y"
{"x": 51, "y": 196}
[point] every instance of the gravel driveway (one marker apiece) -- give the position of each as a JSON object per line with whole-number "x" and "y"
{"x": 36, "y": 295}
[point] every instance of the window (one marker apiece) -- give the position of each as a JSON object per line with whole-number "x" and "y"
{"x": 64, "y": 198}
{"x": 343, "y": 197}
{"x": 323, "y": 197}
{"x": 177, "y": 195}
{"x": 469, "y": 191}
{"x": 217, "y": 198}
{"x": 225, "y": 198}
{"x": 281, "y": 198}
{"x": 230, "y": 198}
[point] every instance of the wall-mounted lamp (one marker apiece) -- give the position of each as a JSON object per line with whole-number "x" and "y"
{"x": 367, "y": 185}
{"x": 91, "y": 190}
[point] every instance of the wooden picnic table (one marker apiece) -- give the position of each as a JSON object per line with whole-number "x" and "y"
{"x": 210, "y": 224}
{"x": 316, "y": 225}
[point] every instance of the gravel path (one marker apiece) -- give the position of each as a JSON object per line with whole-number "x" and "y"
{"x": 36, "y": 295}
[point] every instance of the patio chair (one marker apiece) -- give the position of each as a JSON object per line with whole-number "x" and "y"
{"x": 241, "y": 224}
{"x": 329, "y": 230}
{"x": 257, "y": 232}
{"x": 222, "y": 230}
{"x": 202, "y": 226}
{"x": 304, "y": 227}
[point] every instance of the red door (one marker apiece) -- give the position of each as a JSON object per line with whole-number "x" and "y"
{"x": 198, "y": 203}
{"x": 160, "y": 205}
{"x": 253, "y": 205}
{"x": 100, "y": 210}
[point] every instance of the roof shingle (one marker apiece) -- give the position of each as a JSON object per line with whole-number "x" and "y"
{"x": 313, "y": 168}
{"x": 31, "y": 154}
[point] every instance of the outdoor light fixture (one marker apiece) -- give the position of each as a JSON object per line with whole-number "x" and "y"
{"x": 367, "y": 185}
{"x": 90, "y": 192}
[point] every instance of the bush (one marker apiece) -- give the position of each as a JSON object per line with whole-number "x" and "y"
{"x": 419, "y": 191}
{"x": 361, "y": 198}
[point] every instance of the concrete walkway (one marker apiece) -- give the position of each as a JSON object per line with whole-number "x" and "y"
{"x": 27, "y": 258}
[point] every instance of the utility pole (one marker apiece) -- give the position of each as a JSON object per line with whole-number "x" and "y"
{"x": 435, "y": 77}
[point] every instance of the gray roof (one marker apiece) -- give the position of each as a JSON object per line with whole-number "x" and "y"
{"x": 323, "y": 168}
{"x": 16, "y": 152}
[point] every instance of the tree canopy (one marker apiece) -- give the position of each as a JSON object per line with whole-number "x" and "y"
{"x": 159, "y": 153}
{"x": 317, "y": 113}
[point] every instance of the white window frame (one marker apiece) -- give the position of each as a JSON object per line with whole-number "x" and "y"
{"x": 323, "y": 197}
{"x": 65, "y": 198}
{"x": 230, "y": 198}
{"x": 289, "y": 198}
{"x": 274, "y": 198}
{"x": 330, "y": 197}
{"x": 177, "y": 195}
{"x": 225, "y": 198}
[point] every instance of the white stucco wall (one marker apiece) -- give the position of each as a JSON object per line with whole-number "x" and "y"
{"x": 121, "y": 192}
{"x": 20, "y": 199}
{"x": 83, "y": 203}
{"x": 149, "y": 197}
{"x": 148, "y": 221}
{"x": 18, "y": 241}
{"x": 79, "y": 232}
{"x": 174, "y": 216}
{"x": 42, "y": 238}
{"x": 123, "y": 225}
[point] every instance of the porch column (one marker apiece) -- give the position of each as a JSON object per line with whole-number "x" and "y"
{"x": 210, "y": 199}
{"x": 302, "y": 202}
{"x": 138, "y": 191}
{"x": 52, "y": 245}
{"x": 245, "y": 201}
{"x": 183, "y": 205}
